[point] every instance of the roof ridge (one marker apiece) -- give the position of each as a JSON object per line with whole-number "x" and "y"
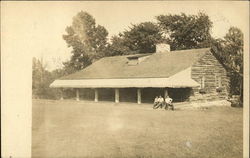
{"x": 208, "y": 48}
{"x": 128, "y": 55}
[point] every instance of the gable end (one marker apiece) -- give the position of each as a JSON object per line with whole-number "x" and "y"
{"x": 210, "y": 73}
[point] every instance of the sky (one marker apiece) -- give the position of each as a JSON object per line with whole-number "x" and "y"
{"x": 37, "y": 27}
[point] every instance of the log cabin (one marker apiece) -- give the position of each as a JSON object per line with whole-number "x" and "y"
{"x": 184, "y": 75}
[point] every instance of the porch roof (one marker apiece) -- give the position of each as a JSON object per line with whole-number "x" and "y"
{"x": 180, "y": 80}
{"x": 124, "y": 83}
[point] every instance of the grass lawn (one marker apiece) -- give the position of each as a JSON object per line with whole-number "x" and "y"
{"x": 105, "y": 129}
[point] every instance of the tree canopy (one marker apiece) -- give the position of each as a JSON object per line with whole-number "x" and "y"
{"x": 117, "y": 47}
{"x": 87, "y": 40}
{"x": 142, "y": 37}
{"x": 186, "y": 31}
{"x": 41, "y": 79}
{"x": 229, "y": 50}
{"x": 180, "y": 31}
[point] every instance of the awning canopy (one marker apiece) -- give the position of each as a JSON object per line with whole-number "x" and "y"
{"x": 180, "y": 80}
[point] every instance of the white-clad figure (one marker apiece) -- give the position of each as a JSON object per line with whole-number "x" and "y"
{"x": 168, "y": 102}
{"x": 159, "y": 102}
{"x": 156, "y": 101}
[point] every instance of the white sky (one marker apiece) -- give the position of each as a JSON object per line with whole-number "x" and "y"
{"x": 38, "y": 26}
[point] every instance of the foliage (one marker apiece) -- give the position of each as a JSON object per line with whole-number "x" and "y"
{"x": 41, "y": 79}
{"x": 88, "y": 41}
{"x": 186, "y": 31}
{"x": 142, "y": 37}
{"x": 180, "y": 31}
{"x": 233, "y": 42}
{"x": 229, "y": 51}
{"x": 117, "y": 47}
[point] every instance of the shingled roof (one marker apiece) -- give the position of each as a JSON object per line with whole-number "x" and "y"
{"x": 156, "y": 65}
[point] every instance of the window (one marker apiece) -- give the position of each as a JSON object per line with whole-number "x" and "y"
{"x": 202, "y": 82}
{"x": 217, "y": 81}
{"x": 136, "y": 59}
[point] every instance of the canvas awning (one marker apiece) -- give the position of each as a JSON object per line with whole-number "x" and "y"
{"x": 179, "y": 80}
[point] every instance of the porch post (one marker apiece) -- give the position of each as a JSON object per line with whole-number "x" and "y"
{"x": 77, "y": 94}
{"x": 61, "y": 93}
{"x": 117, "y": 95}
{"x": 139, "y": 96}
{"x": 96, "y": 95}
{"x": 165, "y": 92}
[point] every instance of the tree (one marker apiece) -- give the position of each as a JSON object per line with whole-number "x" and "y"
{"x": 117, "y": 47}
{"x": 186, "y": 31}
{"x": 87, "y": 40}
{"x": 142, "y": 38}
{"x": 37, "y": 75}
{"x": 41, "y": 79}
{"x": 233, "y": 42}
{"x": 229, "y": 51}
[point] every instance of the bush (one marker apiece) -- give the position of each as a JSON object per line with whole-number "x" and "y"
{"x": 236, "y": 101}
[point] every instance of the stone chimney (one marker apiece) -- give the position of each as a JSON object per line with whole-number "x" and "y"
{"x": 162, "y": 48}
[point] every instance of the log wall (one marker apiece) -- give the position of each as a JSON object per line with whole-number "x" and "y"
{"x": 212, "y": 72}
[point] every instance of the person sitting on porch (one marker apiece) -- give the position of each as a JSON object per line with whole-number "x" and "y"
{"x": 160, "y": 102}
{"x": 168, "y": 102}
{"x": 156, "y": 100}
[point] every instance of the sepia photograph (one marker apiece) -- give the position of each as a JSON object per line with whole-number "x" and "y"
{"x": 123, "y": 79}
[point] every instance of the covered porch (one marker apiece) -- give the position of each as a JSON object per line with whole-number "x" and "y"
{"x": 134, "y": 95}
{"x": 132, "y": 90}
